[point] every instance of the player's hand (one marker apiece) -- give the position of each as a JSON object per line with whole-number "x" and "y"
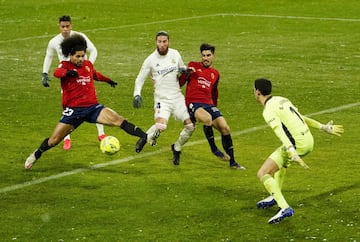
{"x": 187, "y": 70}
{"x": 71, "y": 73}
{"x": 137, "y": 102}
{"x": 112, "y": 83}
{"x": 294, "y": 156}
{"x": 44, "y": 80}
{"x": 182, "y": 70}
{"x": 332, "y": 128}
{"x": 190, "y": 70}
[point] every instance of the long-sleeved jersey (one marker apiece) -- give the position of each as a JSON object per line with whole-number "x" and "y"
{"x": 54, "y": 48}
{"x": 163, "y": 70}
{"x": 285, "y": 120}
{"x": 79, "y": 91}
{"x": 202, "y": 85}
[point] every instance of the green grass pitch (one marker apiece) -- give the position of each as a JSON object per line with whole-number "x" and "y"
{"x": 309, "y": 49}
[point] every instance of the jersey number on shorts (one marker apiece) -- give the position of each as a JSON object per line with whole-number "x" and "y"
{"x": 68, "y": 111}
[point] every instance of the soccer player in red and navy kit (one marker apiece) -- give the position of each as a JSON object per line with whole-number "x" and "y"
{"x": 201, "y": 99}
{"x": 79, "y": 99}
{"x": 53, "y": 48}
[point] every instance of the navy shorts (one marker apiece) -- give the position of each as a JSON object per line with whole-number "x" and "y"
{"x": 76, "y": 116}
{"x": 211, "y": 109}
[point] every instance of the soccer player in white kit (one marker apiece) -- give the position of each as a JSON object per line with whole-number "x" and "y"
{"x": 164, "y": 65}
{"x": 53, "y": 48}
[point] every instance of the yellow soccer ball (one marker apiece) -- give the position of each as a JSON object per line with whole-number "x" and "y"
{"x": 110, "y": 145}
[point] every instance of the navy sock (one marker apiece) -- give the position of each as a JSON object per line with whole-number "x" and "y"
{"x": 209, "y": 133}
{"x": 132, "y": 129}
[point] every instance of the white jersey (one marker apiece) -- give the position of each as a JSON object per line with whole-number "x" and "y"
{"x": 163, "y": 70}
{"x": 54, "y": 48}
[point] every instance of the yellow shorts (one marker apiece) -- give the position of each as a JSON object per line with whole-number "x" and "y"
{"x": 304, "y": 145}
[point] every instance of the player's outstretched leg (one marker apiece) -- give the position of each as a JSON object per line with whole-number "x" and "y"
{"x": 30, "y": 161}
{"x": 131, "y": 129}
{"x": 151, "y": 139}
{"x": 33, "y": 157}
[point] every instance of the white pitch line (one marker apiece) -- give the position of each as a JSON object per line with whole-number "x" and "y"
{"x": 196, "y": 17}
{"x": 295, "y": 17}
{"x": 142, "y": 155}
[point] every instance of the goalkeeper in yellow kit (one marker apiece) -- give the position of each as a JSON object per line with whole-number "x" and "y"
{"x": 292, "y": 128}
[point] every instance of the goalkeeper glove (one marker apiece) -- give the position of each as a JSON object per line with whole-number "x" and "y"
{"x": 294, "y": 156}
{"x": 332, "y": 128}
{"x": 112, "y": 83}
{"x": 44, "y": 80}
{"x": 71, "y": 73}
{"x": 137, "y": 101}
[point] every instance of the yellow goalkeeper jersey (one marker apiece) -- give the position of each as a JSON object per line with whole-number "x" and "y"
{"x": 288, "y": 124}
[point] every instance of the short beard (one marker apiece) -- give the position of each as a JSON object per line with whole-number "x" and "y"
{"x": 163, "y": 52}
{"x": 207, "y": 65}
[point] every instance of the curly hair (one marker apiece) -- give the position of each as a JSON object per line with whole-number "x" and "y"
{"x": 72, "y": 44}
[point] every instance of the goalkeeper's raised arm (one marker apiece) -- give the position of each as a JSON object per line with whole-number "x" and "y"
{"x": 330, "y": 128}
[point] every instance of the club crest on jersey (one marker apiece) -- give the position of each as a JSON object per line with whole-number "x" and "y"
{"x": 87, "y": 68}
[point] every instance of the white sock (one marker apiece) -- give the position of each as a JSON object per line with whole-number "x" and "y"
{"x": 183, "y": 138}
{"x": 100, "y": 129}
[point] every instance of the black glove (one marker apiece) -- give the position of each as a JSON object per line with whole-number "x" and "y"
{"x": 187, "y": 70}
{"x": 71, "y": 73}
{"x": 137, "y": 101}
{"x": 45, "y": 78}
{"x": 112, "y": 83}
{"x": 182, "y": 70}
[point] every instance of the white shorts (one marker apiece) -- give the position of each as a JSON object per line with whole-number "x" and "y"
{"x": 164, "y": 108}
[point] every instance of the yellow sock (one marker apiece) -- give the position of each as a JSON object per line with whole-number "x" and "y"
{"x": 273, "y": 188}
{"x": 279, "y": 176}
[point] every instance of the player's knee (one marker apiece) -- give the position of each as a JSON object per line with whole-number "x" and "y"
{"x": 161, "y": 126}
{"x": 224, "y": 130}
{"x": 207, "y": 121}
{"x": 260, "y": 174}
